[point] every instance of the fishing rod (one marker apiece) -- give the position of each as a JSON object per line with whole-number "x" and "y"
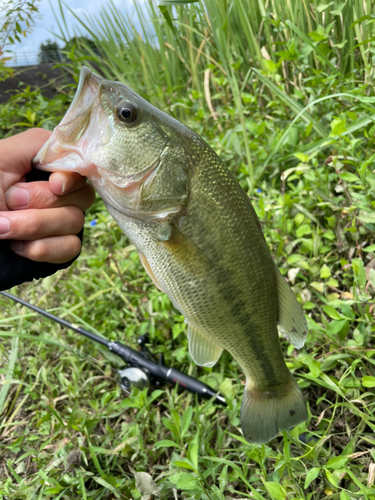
{"x": 141, "y": 368}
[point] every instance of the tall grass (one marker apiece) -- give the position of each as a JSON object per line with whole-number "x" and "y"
{"x": 217, "y": 49}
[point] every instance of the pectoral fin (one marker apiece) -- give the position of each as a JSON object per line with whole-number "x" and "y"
{"x": 202, "y": 349}
{"x": 292, "y": 322}
{"x": 149, "y": 271}
{"x": 190, "y": 258}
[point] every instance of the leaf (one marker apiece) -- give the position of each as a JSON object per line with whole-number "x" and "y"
{"x": 314, "y": 366}
{"x": 370, "y": 248}
{"x": 325, "y": 272}
{"x": 269, "y": 66}
{"x": 185, "y": 463}
{"x": 185, "y": 421}
{"x": 223, "y": 479}
{"x": 311, "y": 475}
{"x": 338, "y": 9}
{"x": 331, "y": 312}
{"x": 108, "y": 486}
{"x": 303, "y": 230}
{"x": 317, "y": 37}
{"x": 331, "y": 478}
{"x": 301, "y": 157}
{"x": 323, "y": 6}
{"x": 371, "y": 277}
{"x": 329, "y": 235}
{"x": 349, "y": 177}
{"x": 227, "y": 388}
{"x": 337, "y": 326}
{"x": 369, "y": 17}
{"x": 54, "y": 489}
{"x": 368, "y": 381}
{"x": 318, "y": 286}
{"x": 167, "y": 443}
{"x": 193, "y": 452}
{"x": 336, "y": 462}
{"x": 185, "y": 481}
{"x": 338, "y": 126}
{"x": 367, "y": 218}
{"x": 359, "y": 271}
{"x": 276, "y": 490}
{"x": 344, "y": 495}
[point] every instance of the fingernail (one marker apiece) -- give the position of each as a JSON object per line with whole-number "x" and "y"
{"x": 4, "y": 225}
{"x": 17, "y": 246}
{"x": 17, "y": 197}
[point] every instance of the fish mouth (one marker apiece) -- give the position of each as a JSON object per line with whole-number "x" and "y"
{"x": 64, "y": 149}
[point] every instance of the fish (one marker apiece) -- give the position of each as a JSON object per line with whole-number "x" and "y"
{"x": 197, "y": 236}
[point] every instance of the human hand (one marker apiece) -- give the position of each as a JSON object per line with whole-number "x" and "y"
{"x": 41, "y": 218}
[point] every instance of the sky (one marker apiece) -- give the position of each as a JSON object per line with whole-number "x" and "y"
{"x": 27, "y": 50}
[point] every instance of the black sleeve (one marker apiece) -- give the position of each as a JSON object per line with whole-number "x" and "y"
{"x": 14, "y": 269}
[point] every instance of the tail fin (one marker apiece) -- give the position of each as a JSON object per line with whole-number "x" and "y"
{"x": 265, "y": 414}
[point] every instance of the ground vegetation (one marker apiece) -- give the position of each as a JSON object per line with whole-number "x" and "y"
{"x": 283, "y": 91}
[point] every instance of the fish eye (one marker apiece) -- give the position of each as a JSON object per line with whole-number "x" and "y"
{"x": 127, "y": 112}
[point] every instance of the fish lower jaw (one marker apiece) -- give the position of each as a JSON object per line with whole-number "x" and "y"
{"x": 70, "y": 163}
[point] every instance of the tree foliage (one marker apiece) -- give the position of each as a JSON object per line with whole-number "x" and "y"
{"x": 49, "y": 52}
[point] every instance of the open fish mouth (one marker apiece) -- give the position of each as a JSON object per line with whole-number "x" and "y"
{"x": 64, "y": 149}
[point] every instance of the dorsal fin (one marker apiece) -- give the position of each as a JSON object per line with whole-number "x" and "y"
{"x": 292, "y": 322}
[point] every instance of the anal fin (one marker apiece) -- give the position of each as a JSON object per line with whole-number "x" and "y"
{"x": 292, "y": 322}
{"x": 202, "y": 349}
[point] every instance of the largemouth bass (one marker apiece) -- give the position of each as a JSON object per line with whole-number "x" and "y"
{"x": 197, "y": 235}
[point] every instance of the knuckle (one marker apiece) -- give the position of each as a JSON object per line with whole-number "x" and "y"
{"x": 42, "y": 196}
{"x": 54, "y": 250}
{"x": 37, "y": 250}
{"x": 75, "y": 218}
{"x": 74, "y": 246}
{"x": 28, "y": 224}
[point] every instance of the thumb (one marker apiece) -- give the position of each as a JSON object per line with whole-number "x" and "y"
{"x": 18, "y": 151}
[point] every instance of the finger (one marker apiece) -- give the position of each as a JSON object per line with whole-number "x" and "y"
{"x": 25, "y": 195}
{"x": 53, "y": 249}
{"x": 66, "y": 182}
{"x": 18, "y": 151}
{"x": 34, "y": 224}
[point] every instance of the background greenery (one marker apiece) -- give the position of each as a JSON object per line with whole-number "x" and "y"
{"x": 283, "y": 91}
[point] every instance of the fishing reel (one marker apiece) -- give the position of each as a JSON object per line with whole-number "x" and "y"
{"x": 135, "y": 376}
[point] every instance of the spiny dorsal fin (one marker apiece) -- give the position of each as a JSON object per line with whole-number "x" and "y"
{"x": 292, "y": 322}
{"x": 202, "y": 349}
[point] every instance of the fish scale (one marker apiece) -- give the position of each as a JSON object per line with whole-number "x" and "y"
{"x": 198, "y": 237}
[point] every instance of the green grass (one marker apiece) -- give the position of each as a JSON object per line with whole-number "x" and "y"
{"x": 300, "y": 139}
